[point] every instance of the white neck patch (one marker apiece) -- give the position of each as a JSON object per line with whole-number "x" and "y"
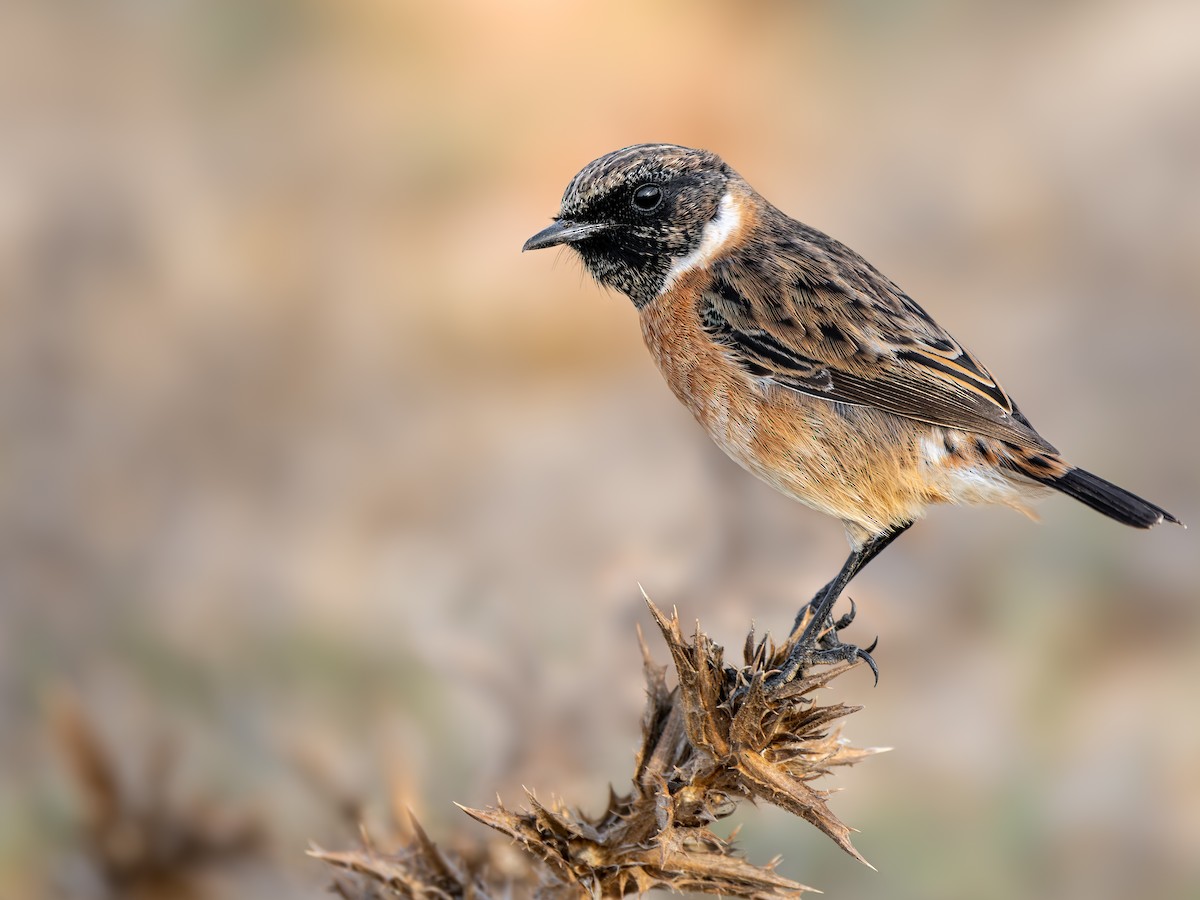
{"x": 716, "y": 235}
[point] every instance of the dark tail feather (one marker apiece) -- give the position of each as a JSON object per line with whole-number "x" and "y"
{"x": 1103, "y": 496}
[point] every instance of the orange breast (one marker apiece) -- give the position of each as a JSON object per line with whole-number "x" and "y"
{"x": 720, "y": 395}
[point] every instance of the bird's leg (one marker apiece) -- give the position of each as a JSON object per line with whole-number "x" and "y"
{"x": 802, "y": 615}
{"x": 828, "y": 638}
{"x": 829, "y": 631}
{"x": 821, "y": 629}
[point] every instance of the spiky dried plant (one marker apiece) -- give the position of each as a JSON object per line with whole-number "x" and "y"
{"x": 137, "y": 841}
{"x": 719, "y": 736}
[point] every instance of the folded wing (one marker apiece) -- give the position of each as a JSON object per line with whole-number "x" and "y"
{"x": 861, "y": 341}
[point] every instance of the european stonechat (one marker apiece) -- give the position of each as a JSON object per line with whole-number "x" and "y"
{"x": 806, "y": 365}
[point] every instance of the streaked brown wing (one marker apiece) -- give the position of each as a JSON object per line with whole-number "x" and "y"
{"x": 860, "y": 341}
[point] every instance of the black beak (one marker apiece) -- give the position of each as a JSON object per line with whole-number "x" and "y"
{"x": 562, "y": 232}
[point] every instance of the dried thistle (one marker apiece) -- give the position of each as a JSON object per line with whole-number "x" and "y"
{"x": 718, "y": 737}
{"x": 419, "y": 869}
{"x": 137, "y": 841}
{"x": 748, "y": 741}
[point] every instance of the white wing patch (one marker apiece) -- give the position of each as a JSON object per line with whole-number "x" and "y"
{"x": 933, "y": 449}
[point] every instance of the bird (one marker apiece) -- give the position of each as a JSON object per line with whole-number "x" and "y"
{"x": 807, "y": 366}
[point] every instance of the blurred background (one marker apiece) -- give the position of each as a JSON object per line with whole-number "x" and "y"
{"x": 308, "y": 475}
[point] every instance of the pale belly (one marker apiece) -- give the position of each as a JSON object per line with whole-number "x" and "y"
{"x": 870, "y": 469}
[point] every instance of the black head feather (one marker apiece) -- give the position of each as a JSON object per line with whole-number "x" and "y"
{"x": 631, "y": 213}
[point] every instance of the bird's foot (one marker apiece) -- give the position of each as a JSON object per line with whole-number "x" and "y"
{"x": 829, "y": 634}
{"x": 822, "y": 649}
{"x": 830, "y": 627}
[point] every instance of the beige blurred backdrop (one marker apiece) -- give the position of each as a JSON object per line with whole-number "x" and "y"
{"x": 306, "y": 468}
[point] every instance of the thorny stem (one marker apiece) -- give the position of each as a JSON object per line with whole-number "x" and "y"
{"x": 717, "y": 737}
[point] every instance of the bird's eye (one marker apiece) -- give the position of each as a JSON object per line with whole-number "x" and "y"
{"x": 647, "y": 197}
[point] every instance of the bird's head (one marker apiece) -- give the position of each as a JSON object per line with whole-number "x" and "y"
{"x": 641, "y": 216}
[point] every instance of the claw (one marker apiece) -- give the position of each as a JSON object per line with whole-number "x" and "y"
{"x": 865, "y": 656}
{"x": 802, "y": 657}
{"x": 845, "y": 620}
